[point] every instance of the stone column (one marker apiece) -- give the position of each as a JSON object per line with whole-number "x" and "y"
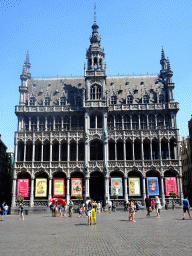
{"x": 125, "y": 187}
{"x": 139, "y": 122}
{"x": 155, "y": 121}
{"x": 160, "y": 154}
{"x": 37, "y": 123}
{"x": 68, "y": 151}
{"x": 133, "y": 150}
{"x": 151, "y": 149}
{"x": 87, "y": 186}
{"x": 62, "y": 123}
{"x": 162, "y": 192}
{"x": 181, "y": 190}
{"x": 142, "y": 151}
{"x": 33, "y": 154}
{"x": 67, "y": 194}
{"x": 32, "y": 193}
{"x": 29, "y": 123}
{"x": 77, "y": 151}
{"x": 169, "y": 155}
{"x": 106, "y": 188}
{"x": 53, "y": 123}
{"x": 59, "y": 151}
{"x": 131, "y": 122}
{"x": 50, "y": 188}
{"x": 115, "y": 151}
{"x": 42, "y": 152}
{"x": 14, "y": 192}
{"x": 24, "y": 151}
{"x": 124, "y": 149}
{"x": 144, "y": 188}
{"x": 16, "y": 151}
{"x": 45, "y": 123}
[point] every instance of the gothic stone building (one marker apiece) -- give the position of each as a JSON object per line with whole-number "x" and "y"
{"x": 96, "y": 128}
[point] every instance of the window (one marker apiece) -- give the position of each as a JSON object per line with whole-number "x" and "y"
{"x": 42, "y": 123}
{"x": 160, "y": 121}
{"x": 92, "y": 121}
{"x": 74, "y": 123}
{"x": 96, "y": 150}
{"x": 62, "y": 101}
{"x": 58, "y": 123}
{"x": 151, "y": 120}
{"x": 81, "y": 123}
{"x": 32, "y": 101}
{"x": 26, "y": 121}
{"x": 135, "y": 122}
{"x": 110, "y": 122}
{"x": 95, "y": 92}
{"x": 113, "y": 100}
{"x": 78, "y": 101}
{"x": 118, "y": 122}
{"x": 129, "y": 100}
{"x": 66, "y": 123}
{"x": 143, "y": 122}
{"x": 145, "y": 99}
{"x": 34, "y": 123}
{"x": 167, "y": 120}
{"x": 127, "y": 122}
{"x": 47, "y": 101}
{"x": 99, "y": 121}
{"x": 49, "y": 123}
{"x": 161, "y": 99}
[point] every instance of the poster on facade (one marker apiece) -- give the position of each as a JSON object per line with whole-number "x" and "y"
{"x": 152, "y": 186}
{"x": 76, "y": 186}
{"x": 41, "y": 187}
{"x": 134, "y": 186}
{"x": 116, "y": 186}
{"x": 58, "y": 187}
{"x": 170, "y": 185}
{"x": 23, "y": 187}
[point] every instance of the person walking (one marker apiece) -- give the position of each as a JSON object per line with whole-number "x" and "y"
{"x": 21, "y": 212}
{"x": 186, "y": 207}
{"x": 132, "y": 210}
{"x": 158, "y": 206}
{"x": 70, "y": 208}
{"x": 2, "y": 210}
{"x": 93, "y": 213}
{"x": 88, "y": 207}
{"x": 173, "y": 205}
{"x": 153, "y": 205}
{"x": 109, "y": 206}
{"x": 148, "y": 205}
{"x": 80, "y": 211}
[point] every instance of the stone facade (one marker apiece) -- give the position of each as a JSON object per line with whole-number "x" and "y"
{"x": 97, "y": 127}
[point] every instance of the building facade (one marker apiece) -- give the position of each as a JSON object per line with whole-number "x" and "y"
{"x": 97, "y": 134}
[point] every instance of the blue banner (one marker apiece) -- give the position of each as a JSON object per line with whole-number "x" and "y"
{"x": 116, "y": 186}
{"x": 152, "y": 186}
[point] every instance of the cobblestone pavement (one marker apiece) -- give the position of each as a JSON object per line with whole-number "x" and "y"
{"x": 43, "y": 235}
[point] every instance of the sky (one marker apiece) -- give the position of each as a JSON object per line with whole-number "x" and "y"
{"x": 56, "y": 34}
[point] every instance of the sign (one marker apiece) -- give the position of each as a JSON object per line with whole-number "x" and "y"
{"x": 41, "y": 187}
{"x": 23, "y": 187}
{"x": 170, "y": 185}
{"x": 152, "y": 186}
{"x": 134, "y": 186}
{"x": 116, "y": 186}
{"x": 58, "y": 187}
{"x": 76, "y": 186}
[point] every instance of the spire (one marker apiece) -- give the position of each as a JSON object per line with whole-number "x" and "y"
{"x": 163, "y": 60}
{"x": 162, "y": 54}
{"x": 23, "y": 76}
{"x": 168, "y": 65}
{"x": 27, "y": 65}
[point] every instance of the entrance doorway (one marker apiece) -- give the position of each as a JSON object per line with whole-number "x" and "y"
{"x": 96, "y": 186}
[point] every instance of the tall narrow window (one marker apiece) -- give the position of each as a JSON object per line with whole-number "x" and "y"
{"x": 135, "y": 122}
{"x": 99, "y": 121}
{"x": 151, "y": 120}
{"x": 74, "y": 123}
{"x": 42, "y": 123}
{"x": 129, "y": 99}
{"x": 110, "y": 122}
{"x": 26, "y": 121}
{"x": 34, "y": 124}
{"x": 62, "y": 101}
{"x": 95, "y": 92}
{"x": 145, "y": 99}
{"x": 160, "y": 121}
{"x": 113, "y": 100}
{"x": 49, "y": 123}
{"x": 126, "y": 122}
{"x": 118, "y": 122}
{"x": 92, "y": 121}
{"x": 32, "y": 101}
{"x": 167, "y": 121}
{"x": 143, "y": 122}
{"x": 58, "y": 123}
{"x": 161, "y": 99}
{"x": 66, "y": 123}
{"x": 81, "y": 123}
{"x": 78, "y": 101}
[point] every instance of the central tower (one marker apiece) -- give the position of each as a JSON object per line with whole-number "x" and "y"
{"x": 95, "y": 74}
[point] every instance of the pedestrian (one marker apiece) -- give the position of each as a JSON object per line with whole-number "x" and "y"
{"x": 109, "y": 205}
{"x": 21, "y": 212}
{"x": 186, "y": 207}
{"x": 148, "y": 205}
{"x": 6, "y": 209}
{"x": 2, "y": 210}
{"x": 98, "y": 207}
{"x": 60, "y": 210}
{"x": 157, "y": 206}
{"x": 70, "y": 208}
{"x": 52, "y": 207}
{"x": 173, "y": 205}
{"x": 89, "y": 207}
{"x": 93, "y": 214}
{"x": 138, "y": 206}
{"x": 153, "y": 205}
{"x": 132, "y": 210}
{"x": 80, "y": 211}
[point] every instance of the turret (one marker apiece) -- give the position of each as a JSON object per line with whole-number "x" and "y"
{"x": 163, "y": 64}
{"x": 169, "y": 85}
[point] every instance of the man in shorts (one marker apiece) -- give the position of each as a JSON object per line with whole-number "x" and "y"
{"x": 148, "y": 205}
{"x": 186, "y": 207}
{"x": 88, "y": 207}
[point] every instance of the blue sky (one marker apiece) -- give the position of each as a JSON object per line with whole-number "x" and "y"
{"x": 56, "y": 33}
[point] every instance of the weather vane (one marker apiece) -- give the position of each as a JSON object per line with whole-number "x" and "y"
{"x": 94, "y": 12}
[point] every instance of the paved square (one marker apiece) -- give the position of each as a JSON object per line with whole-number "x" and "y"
{"x": 43, "y": 235}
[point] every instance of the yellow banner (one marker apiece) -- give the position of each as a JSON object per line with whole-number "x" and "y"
{"x": 41, "y": 187}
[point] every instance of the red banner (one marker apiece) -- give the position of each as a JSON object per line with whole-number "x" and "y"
{"x": 23, "y": 187}
{"x": 58, "y": 187}
{"x": 170, "y": 185}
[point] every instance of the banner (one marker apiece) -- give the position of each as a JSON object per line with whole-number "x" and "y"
{"x": 116, "y": 186}
{"x": 170, "y": 185}
{"x": 41, "y": 187}
{"x": 58, "y": 187}
{"x": 134, "y": 187}
{"x": 76, "y": 186}
{"x": 152, "y": 186}
{"x": 23, "y": 187}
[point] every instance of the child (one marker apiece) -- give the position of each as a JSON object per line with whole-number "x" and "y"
{"x": 21, "y": 212}
{"x": 93, "y": 213}
{"x": 80, "y": 211}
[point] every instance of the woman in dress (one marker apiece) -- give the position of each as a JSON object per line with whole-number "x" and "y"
{"x": 157, "y": 206}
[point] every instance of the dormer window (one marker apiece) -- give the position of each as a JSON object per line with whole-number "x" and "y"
{"x": 78, "y": 101}
{"x": 145, "y": 99}
{"x": 62, "y": 101}
{"x": 32, "y": 101}
{"x": 113, "y": 100}
{"x": 95, "y": 92}
{"x": 161, "y": 99}
{"x": 129, "y": 99}
{"x": 47, "y": 101}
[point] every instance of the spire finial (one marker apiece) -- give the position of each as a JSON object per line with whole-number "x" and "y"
{"x": 94, "y": 12}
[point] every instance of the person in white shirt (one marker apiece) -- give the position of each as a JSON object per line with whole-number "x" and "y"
{"x": 109, "y": 206}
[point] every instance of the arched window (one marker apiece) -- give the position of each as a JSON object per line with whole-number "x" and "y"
{"x": 110, "y": 122}
{"x": 38, "y": 151}
{"x": 160, "y": 121}
{"x": 99, "y": 121}
{"x": 64, "y": 151}
{"x": 167, "y": 121}
{"x": 143, "y": 122}
{"x": 95, "y": 92}
{"x": 73, "y": 151}
{"x": 129, "y": 99}
{"x": 29, "y": 149}
{"x": 127, "y": 122}
{"x": 66, "y": 123}
{"x": 96, "y": 150}
{"x": 58, "y": 123}
{"x": 113, "y": 100}
{"x": 135, "y": 122}
{"x": 55, "y": 151}
{"x": 92, "y": 121}
{"x": 74, "y": 123}
{"x": 111, "y": 150}
{"x": 81, "y": 151}
{"x": 49, "y": 123}
{"x": 161, "y": 98}
{"x": 145, "y": 99}
{"x": 20, "y": 154}
{"x": 26, "y": 121}
{"x": 81, "y": 123}
{"x": 42, "y": 123}
{"x": 46, "y": 151}
{"x": 118, "y": 122}
{"x": 151, "y": 120}
{"x": 34, "y": 123}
